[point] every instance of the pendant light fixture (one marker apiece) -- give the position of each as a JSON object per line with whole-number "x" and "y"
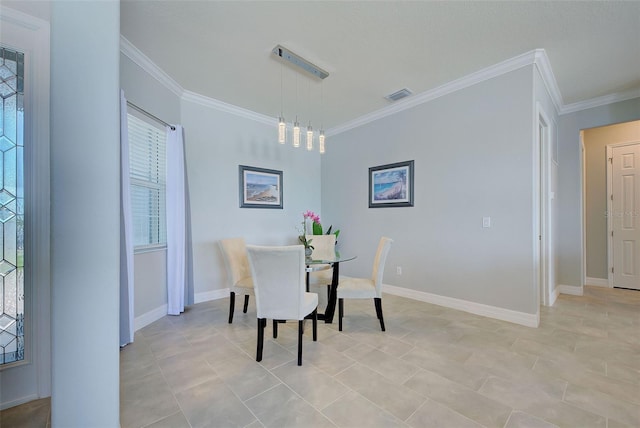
{"x": 309, "y": 137}
{"x": 321, "y": 141}
{"x": 282, "y": 130}
{"x": 310, "y": 68}
{"x": 296, "y": 133}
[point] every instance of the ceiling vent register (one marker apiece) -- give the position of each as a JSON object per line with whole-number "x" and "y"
{"x": 398, "y": 95}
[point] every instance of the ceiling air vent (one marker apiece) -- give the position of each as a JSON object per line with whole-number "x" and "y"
{"x": 398, "y": 95}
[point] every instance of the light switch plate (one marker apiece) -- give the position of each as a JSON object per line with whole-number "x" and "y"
{"x": 486, "y": 221}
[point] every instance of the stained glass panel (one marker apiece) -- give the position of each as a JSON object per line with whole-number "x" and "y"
{"x": 11, "y": 206}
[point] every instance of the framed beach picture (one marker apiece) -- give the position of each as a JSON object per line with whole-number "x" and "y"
{"x": 260, "y": 187}
{"x": 391, "y": 185}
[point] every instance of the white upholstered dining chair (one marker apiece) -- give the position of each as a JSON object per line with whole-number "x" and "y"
{"x": 279, "y": 285}
{"x": 365, "y": 288}
{"x": 324, "y": 247}
{"x": 234, "y": 251}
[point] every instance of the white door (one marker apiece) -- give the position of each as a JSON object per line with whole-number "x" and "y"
{"x": 625, "y": 215}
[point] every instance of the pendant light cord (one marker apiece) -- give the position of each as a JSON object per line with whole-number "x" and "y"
{"x": 322, "y": 105}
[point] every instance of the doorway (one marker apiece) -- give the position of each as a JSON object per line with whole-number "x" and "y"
{"x": 623, "y": 214}
{"x": 598, "y": 212}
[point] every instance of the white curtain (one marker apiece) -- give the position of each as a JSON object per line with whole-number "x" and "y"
{"x": 126, "y": 239}
{"x": 180, "y": 288}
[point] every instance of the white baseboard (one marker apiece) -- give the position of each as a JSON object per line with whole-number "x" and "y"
{"x": 528, "y": 320}
{"x": 19, "y": 401}
{"x": 598, "y": 282}
{"x": 522, "y": 318}
{"x": 149, "y": 317}
{"x": 157, "y": 313}
{"x": 570, "y": 289}
{"x": 554, "y": 295}
{"x": 211, "y": 295}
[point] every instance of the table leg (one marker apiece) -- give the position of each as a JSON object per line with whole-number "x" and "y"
{"x": 333, "y": 295}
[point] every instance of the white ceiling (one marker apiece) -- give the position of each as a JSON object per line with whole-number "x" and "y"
{"x": 222, "y": 49}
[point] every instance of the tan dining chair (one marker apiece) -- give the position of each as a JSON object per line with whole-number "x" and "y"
{"x": 234, "y": 251}
{"x": 324, "y": 247}
{"x": 365, "y": 288}
{"x": 279, "y": 285}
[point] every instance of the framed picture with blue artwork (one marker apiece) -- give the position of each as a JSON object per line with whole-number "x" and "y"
{"x": 260, "y": 187}
{"x": 391, "y": 185}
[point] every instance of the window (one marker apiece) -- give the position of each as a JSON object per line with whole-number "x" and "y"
{"x": 147, "y": 155}
{"x": 12, "y": 295}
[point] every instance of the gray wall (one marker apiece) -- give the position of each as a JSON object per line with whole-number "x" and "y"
{"x": 570, "y": 245}
{"x": 473, "y": 158}
{"x": 148, "y": 93}
{"x": 85, "y": 217}
{"x": 216, "y": 144}
{"x": 596, "y": 237}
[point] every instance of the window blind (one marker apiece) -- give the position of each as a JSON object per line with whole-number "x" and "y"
{"x": 147, "y": 158}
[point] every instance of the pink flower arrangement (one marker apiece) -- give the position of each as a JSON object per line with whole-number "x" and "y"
{"x": 312, "y": 216}
{"x": 316, "y": 227}
{"x": 315, "y": 222}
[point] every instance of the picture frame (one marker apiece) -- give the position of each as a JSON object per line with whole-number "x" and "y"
{"x": 391, "y": 185}
{"x": 260, "y": 187}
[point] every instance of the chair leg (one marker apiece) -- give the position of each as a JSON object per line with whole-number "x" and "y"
{"x": 378, "y": 303}
{"x": 246, "y": 303}
{"x": 275, "y": 329}
{"x": 261, "y": 323}
{"x": 300, "y": 324}
{"x": 315, "y": 325}
{"x": 340, "y": 313}
{"x": 232, "y": 305}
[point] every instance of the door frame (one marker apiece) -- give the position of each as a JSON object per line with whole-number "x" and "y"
{"x": 542, "y": 237}
{"x": 583, "y": 214}
{"x": 609, "y": 160}
{"x": 31, "y": 379}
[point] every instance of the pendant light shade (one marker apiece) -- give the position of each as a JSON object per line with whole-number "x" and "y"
{"x": 309, "y": 137}
{"x": 321, "y": 141}
{"x": 282, "y": 130}
{"x": 296, "y": 134}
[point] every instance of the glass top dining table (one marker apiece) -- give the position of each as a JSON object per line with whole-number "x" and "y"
{"x": 328, "y": 263}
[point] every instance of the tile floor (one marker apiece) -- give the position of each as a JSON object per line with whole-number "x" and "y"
{"x": 433, "y": 367}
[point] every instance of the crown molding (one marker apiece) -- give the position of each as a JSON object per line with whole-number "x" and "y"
{"x": 541, "y": 61}
{"x": 496, "y": 70}
{"x": 537, "y": 57}
{"x": 228, "y": 108}
{"x": 128, "y": 49}
{"x": 600, "y": 101}
{"x": 22, "y": 19}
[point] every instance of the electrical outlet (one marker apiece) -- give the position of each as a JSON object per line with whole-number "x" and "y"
{"x": 398, "y": 270}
